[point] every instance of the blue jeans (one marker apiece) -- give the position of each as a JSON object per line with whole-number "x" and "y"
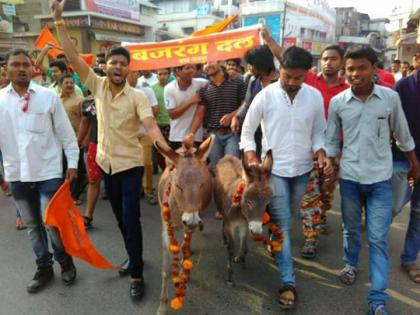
{"x": 378, "y": 197}
{"x": 32, "y": 199}
{"x": 223, "y": 145}
{"x": 123, "y": 191}
{"x": 402, "y": 194}
{"x": 288, "y": 193}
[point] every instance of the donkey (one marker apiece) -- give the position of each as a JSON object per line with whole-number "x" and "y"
{"x": 246, "y": 215}
{"x": 190, "y": 180}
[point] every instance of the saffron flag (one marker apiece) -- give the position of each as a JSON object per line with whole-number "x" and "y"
{"x": 63, "y": 214}
{"x": 195, "y": 49}
{"x": 46, "y": 37}
{"x": 216, "y": 27}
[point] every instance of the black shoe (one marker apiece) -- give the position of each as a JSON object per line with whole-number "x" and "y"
{"x": 137, "y": 289}
{"x": 41, "y": 278}
{"x": 68, "y": 272}
{"x": 123, "y": 271}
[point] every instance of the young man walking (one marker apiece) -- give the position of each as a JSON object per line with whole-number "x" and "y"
{"x": 35, "y": 130}
{"x": 409, "y": 91}
{"x": 364, "y": 117}
{"x": 120, "y": 110}
{"x": 319, "y": 195}
{"x": 293, "y": 124}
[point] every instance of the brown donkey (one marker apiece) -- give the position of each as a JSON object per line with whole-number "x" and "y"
{"x": 189, "y": 182}
{"x": 246, "y": 213}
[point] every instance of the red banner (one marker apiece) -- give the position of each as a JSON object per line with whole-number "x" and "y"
{"x": 214, "y": 47}
{"x": 288, "y": 42}
{"x": 63, "y": 214}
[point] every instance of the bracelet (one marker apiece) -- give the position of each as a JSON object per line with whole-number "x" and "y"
{"x": 59, "y": 23}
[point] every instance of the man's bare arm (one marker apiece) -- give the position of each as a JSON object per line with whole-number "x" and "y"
{"x": 78, "y": 63}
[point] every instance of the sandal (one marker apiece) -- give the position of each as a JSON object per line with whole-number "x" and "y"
{"x": 412, "y": 271}
{"x": 308, "y": 250}
{"x": 290, "y": 302}
{"x": 19, "y": 224}
{"x": 348, "y": 275}
{"x": 87, "y": 221}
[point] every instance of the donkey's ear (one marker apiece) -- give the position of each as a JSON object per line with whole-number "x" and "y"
{"x": 204, "y": 150}
{"x": 267, "y": 163}
{"x": 166, "y": 151}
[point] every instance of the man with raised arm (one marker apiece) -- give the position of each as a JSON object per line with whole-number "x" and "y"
{"x": 120, "y": 110}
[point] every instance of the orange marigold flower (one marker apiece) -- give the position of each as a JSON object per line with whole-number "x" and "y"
{"x": 275, "y": 246}
{"x": 177, "y": 303}
{"x": 174, "y": 249}
{"x": 187, "y": 264}
{"x": 266, "y": 218}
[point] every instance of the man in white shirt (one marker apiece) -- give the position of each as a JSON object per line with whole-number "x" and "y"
{"x": 35, "y": 129}
{"x": 148, "y": 77}
{"x": 181, "y": 98}
{"x": 291, "y": 114}
{"x": 396, "y": 69}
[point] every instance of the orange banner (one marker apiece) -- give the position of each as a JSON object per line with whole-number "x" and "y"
{"x": 200, "y": 49}
{"x": 46, "y": 37}
{"x": 63, "y": 214}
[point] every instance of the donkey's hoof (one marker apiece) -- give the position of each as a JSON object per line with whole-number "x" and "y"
{"x": 230, "y": 284}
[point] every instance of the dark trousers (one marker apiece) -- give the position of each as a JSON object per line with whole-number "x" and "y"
{"x": 123, "y": 190}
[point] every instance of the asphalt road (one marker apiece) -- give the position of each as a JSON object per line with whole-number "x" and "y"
{"x": 105, "y": 293}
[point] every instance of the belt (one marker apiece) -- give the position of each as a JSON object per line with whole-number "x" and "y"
{"x": 220, "y": 131}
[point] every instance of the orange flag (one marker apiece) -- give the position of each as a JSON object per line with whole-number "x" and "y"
{"x": 63, "y": 214}
{"x": 217, "y": 27}
{"x": 46, "y": 37}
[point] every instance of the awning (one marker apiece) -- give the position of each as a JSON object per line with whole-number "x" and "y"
{"x": 116, "y": 38}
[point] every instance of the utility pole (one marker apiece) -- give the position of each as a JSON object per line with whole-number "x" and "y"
{"x": 283, "y": 31}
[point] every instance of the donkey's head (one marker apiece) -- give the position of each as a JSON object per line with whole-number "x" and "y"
{"x": 190, "y": 179}
{"x": 257, "y": 193}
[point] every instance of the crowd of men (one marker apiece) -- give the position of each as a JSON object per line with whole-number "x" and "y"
{"x": 359, "y": 129}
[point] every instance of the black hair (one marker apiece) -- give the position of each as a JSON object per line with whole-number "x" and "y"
{"x": 100, "y": 55}
{"x": 60, "y": 65}
{"x": 261, "y": 58}
{"x": 237, "y": 61}
{"x": 61, "y": 56}
{"x": 334, "y": 47}
{"x": 16, "y": 52}
{"x": 118, "y": 50}
{"x": 397, "y": 61}
{"x": 360, "y": 52}
{"x": 176, "y": 69}
{"x": 406, "y": 63}
{"x": 296, "y": 58}
{"x": 411, "y": 68}
{"x": 65, "y": 76}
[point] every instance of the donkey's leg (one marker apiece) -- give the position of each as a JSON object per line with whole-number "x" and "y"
{"x": 242, "y": 234}
{"x": 163, "y": 305}
{"x": 230, "y": 242}
{"x": 243, "y": 244}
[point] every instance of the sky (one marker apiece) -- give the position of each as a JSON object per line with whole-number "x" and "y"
{"x": 376, "y": 8}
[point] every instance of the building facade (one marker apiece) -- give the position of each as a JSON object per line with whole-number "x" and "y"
{"x": 95, "y": 25}
{"x": 306, "y": 23}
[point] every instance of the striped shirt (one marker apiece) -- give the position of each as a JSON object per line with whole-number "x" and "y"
{"x": 221, "y": 100}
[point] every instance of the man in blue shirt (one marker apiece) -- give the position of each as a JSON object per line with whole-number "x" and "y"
{"x": 365, "y": 116}
{"x": 409, "y": 90}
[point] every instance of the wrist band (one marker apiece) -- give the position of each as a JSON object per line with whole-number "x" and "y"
{"x": 59, "y": 23}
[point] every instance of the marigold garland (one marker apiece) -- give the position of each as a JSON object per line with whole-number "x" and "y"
{"x": 275, "y": 244}
{"x": 179, "y": 278}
